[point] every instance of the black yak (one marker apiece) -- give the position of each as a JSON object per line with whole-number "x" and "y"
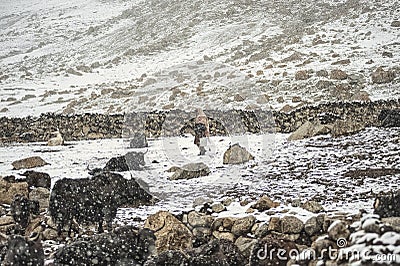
{"x": 93, "y": 200}
{"x": 21, "y": 209}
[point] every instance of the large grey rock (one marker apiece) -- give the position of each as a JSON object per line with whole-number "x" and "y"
{"x": 216, "y": 252}
{"x": 313, "y": 226}
{"x": 312, "y": 206}
{"x": 262, "y": 230}
{"x": 338, "y": 230}
{"x": 131, "y": 161}
{"x": 224, "y": 235}
{"x": 309, "y": 129}
{"x": 197, "y": 219}
{"x": 236, "y": 154}
{"x": 338, "y": 74}
{"x": 321, "y": 245}
{"x": 264, "y": 203}
{"x": 171, "y": 234}
{"x": 223, "y": 224}
{"x": 242, "y": 226}
{"x": 381, "y": 76}
{"x": 291, "y": 225}
{"x": 218, "y": 207}
{"x": 245, "y": 245}
{"x": 30, "y": 162}
{"x": 9, "y": 189}
{"x": 191, "y": 170}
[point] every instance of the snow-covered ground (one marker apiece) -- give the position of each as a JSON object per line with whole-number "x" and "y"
{"x": 116, "y": 55}
{"x": 309, "y": 169}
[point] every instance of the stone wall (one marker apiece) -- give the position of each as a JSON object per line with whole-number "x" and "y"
{"x": 173, "y": 123}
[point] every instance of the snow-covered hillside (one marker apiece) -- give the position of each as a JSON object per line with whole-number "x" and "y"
{"x": 112, "y": 56}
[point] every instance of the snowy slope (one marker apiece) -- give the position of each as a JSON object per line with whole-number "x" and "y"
{"x": 113, "y": 56}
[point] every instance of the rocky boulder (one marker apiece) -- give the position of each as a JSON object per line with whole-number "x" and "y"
{"x": 131, "y": 161}
{"x": 8, "y": 190}
{"x": 117, "y": 164}
{"x": 313, "y": 225}
{"x": 213, "y": 253}
{"x": 312, "y": 206}
{"x": 301, "y": 75}
{"x": 380, "y": 76}
{"x": 338, "y": 74}
{"x": 191, "y": 170}
{"x": 237, "y": 154}
{"x": 171, "y": 234}
{"x": 264, "y": 203}
{"x": 30, "y": 162}
{"x": 338, "y": 230}
{"x": 309, "y": 129}
{"x": 245, "y": 245}
{"x": 291, "y": 225}
{"x": 197, "y": 219}
{"x": 242, "y": 226}
{"x": 223, "y": 224}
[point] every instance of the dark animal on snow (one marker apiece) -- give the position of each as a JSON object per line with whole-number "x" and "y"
{"x": 21, "y": 210}
{"x": 93, "y": 200}
{"x": 37, "y": 179}
{"x": 23, "y": 251}
{"x": 124, "y": 246}
{"x": 388, "y": 205}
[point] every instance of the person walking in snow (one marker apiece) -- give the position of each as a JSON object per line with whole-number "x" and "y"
{"x": 201, "y": 131}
